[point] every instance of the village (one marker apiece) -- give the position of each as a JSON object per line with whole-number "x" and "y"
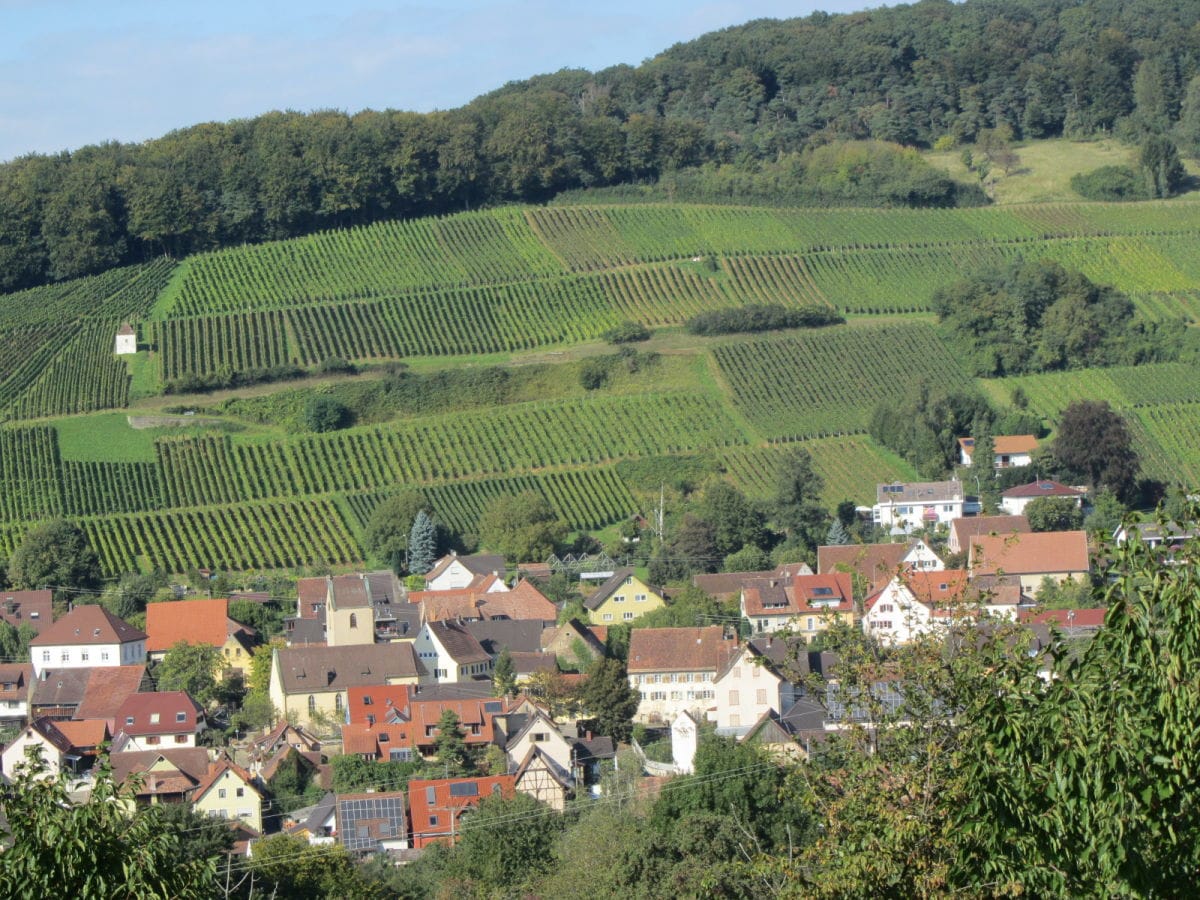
{"x": 477, "y": 676}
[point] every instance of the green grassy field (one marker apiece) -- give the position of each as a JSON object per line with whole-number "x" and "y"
{"x": 531, "y": 291}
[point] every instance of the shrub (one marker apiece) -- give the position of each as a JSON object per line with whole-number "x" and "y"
{"x": 1110, "y": 183}
{"x": 761, "y": 318}
{"x": 627, "y": 332}
{"x": 325, "y": 414}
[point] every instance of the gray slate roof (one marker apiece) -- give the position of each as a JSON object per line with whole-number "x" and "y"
{"x": 315, "y": 669}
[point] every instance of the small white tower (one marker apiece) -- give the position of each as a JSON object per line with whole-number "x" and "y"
{"x": 685, "y": 737}
{"x": 126, "y": 339}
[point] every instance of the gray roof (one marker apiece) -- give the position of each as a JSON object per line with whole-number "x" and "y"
{"x": 349, "y": 592}
{"x": 458, "y": 642}
{"x": 519, "y": 635}
{"x": 304, "y": 632}
{"x": 315, "y": 669}
{"x": 602, "y": 593}
{"x": 920, "y": 492}
{"x": 476, "y": 564}
{"x": 365, "y": 820}
{"x": 64, "y": 687}
{"x": 466, "y": 690}
{"x": 384, "y": 587}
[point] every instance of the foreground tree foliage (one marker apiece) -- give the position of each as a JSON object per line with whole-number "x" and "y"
{"x": 101, "y": 848}
{"x": 55, "y": 555}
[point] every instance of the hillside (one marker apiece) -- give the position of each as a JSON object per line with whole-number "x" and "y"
{"x": 523, "y": 296}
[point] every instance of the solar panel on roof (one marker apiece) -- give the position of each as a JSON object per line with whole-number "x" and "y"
{"x": 464, "y": 789}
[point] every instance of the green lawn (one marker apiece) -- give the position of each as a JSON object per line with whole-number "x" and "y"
{"x": 104, "y": 437}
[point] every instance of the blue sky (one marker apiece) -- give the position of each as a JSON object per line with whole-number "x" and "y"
{"x": 76, "y": 72}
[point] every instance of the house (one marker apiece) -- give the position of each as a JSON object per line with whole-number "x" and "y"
{"x": 310, "y": 683}
{"x": 521, "y": 638}
{"x": 1009, "y": 450}
{"x": 126, "y": 340}
{"x": 756, "y": 678}
{"x": 573, "y": 645}
{"x": 319, "y": 825}
{"x": 58, "y": 694}
{"x": 147, "y": 721}
{"x": 227, "y": 791}
{"x": 16, "y": 685}
{"x": 919, "y": 603}
{"x": 312, "y": 596}
{"x": 673, "y": 669}
{"x": 1014, "y": 500}
{"x": 1073, "y": 622}
{"x": 454, "y": 571}
{"x": 451, "y": 654}
{"x": 198, "y": 622}
{"x": 371, "y": 822}
{"x": 284, "y": 735}
{"x": 962, "y": 531}
{"x": 537, "y": 730}
{"x": 349, "y": 613}
{"x": 622, "y": 598}
{"x": 728, "y": 585}
{"x": 1057, "y": 555}
{"x": 524, "y": 602}
{"x": 162, "y": 776}
{"x": 106, "y": 690}
{"x": 540, "y": 777}
{"x": 395, "y": 618}
{"x": 806, "y": 604}
{"x": 903, "y": 508}
{"x": 437, "y": 806}
{"x": 484, "y": 600}
{"x": 876, "y": 564}
{"x": 34, "y": 609}
{"x": 56, "y": 749}
{"x": 87, "y": 636}
{"x": 1169, "y": 536}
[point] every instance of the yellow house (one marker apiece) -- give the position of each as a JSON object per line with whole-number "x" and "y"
{"x": 228, "y": 792}
{"x": 623, "y": 598}
{"x": 309, "y": 685}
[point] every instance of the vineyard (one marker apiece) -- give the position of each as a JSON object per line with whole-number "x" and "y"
{"x": 850, "y": 466}
{"x": 829, "y": 381}
{"x": 513, "y": 280}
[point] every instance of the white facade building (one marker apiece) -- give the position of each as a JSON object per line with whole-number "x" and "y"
{"x": 87, "y": 636}
{"x": 911, "y": 507}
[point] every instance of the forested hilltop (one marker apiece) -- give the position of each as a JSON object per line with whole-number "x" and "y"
{"x": 909, "y": 75}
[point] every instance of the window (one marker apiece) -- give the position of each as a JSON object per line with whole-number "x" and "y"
{"x": 154, "y": 718}
{"x": 398, "y": 754}
{"x": 734, "y": 698}
{"x": 628, "y": 615}
{"x": 620, "y": 598}
{"x": 540, "y": 736}
{"x": 180, "y": 717}
{"x": 884, "y": 624}
{"x": 370, "y": 719}
{"x": 639, "y": 598}
{"x": 608, "y": 617}
{"x": 464, "y": 789}
{"x": 676, "y": 695}
{"x": 152, "y": 739}
{"x": 430, "y": 795}
{"x": 886, "y": 607}
{"x": 433, "y": 820}
{"x": 658, "y": 695}
{"x": 83, "y": 655}
{"x": 312, "y": 703}
{"x": 367, "y": 700}
{"x": 811, "y": 621}
{"x": 181, "y": 738}
{"x": 629, "y": 579}
{"x": 104, "y": 656}
{"x": 45, "y": 656}
{"x": 129, "y": 720}
{"x": 240, "y": 792}
{"x": 353, "y": 620}
{"x": 760, "y": 696}
{"x": 221, "y": 792}
{"x": 66, "y": 655}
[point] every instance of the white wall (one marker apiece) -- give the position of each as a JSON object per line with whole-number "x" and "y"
{"x": 79, "y": 657}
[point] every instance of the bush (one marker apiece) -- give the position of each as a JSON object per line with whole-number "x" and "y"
{"x": 593, "y": 374}
{"x": 335, "y": 365}
{"x": 761, "y": 318}
{"x": 1110, "y": 183}
{"x": 627, "y": 332}
{"x": 323, "y": 414}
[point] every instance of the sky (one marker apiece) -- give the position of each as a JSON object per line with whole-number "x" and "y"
{"x": 78, "y": 72}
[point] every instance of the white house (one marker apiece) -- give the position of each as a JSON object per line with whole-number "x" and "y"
{"x": 87, "y": 636}
{"x": 126, "y": 341}
{"x": 453, "y": 572}
{"x": 1009, "y": 450}
{"x": 673, "y": 669}
{"x": 157, "y": 719}
{"x": 1014, "y": 500}
{"x": 911, "y": 507}
{"x": 52, "y": 745}
{"x": 15, "y": 688}
{"x": 451, "y": 653}
{"x": 922, "y": 602}
{"x": 750, "y": 685}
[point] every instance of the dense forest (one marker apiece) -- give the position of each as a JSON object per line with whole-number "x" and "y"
{"x": 907, "y": 75}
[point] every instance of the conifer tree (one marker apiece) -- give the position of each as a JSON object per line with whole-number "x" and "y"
{"x": 610, "y": 699}
{"x": 453, "y": 754}
{"x": 504, "y": 676}
{"x": 837, "y": 533}
{"x": 422, "y": 544}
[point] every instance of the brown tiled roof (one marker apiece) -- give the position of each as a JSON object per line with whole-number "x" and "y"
{"x": 877, "y": 563}
{"x": 1030, "y": 554}
{"x": 939, "y": 589}
{"x": 476, "y": 564}
{"x": 190, "y": 765}
{"x": 108, "y": 687}
{"x": 49, "y": 730}
{"x": 88, "y": 625}
{"x": 458, "y": 642}
{"x": 972, "y": 526}
{"x": 311, "y": 593}
{"x": 809, "y": 594}
{"x": 349, "y": 592}
{"x": 1042, "y": 488}
{"x": 522, "y": 602}
{"x": 437, "y": 606}
{"x": 126, "y": 329}
{"x": 315, "y": 669}
{"x": 166, "y": 705}
{"x": 193, "y": 621}
{"x": 19, "y": 675}
{"x": 728, "y": 584}
{"x": 679, "y": 649}
{"x": 32, "y": 608}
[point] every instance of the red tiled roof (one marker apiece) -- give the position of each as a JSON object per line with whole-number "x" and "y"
{"x": 219, "y": 768}
{"x": 88, "y": 625}
{"x": 679, "y": 649}
{"x": 524, "y": 602}
{"x": 19, "y": 675}
{"x": 1030, "y": 554}
{"x": 877, "y": 563}
{"x": 32, "y": 608}
{"x": 385, "y": 699}
{"x": 193, "y": 621}
{"x": 1067, "y": 618}
{"x": 1041, "y": 489}
{"x": 938, "y": 588}
{"x": 142, "y": 708}
{"x": 311, "y": 593}
{"x": 808, "y": 594}
{"x": 88, "y": 734}
{"x": 447, "y": 807}
{"x": 971, "y": 526}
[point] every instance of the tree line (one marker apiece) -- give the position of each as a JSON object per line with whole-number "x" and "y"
{"x": 909, "y": 75}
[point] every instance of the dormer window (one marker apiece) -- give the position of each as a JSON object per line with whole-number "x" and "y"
{"x": 154, "y": 717}
{"x": 181, "y": 717}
